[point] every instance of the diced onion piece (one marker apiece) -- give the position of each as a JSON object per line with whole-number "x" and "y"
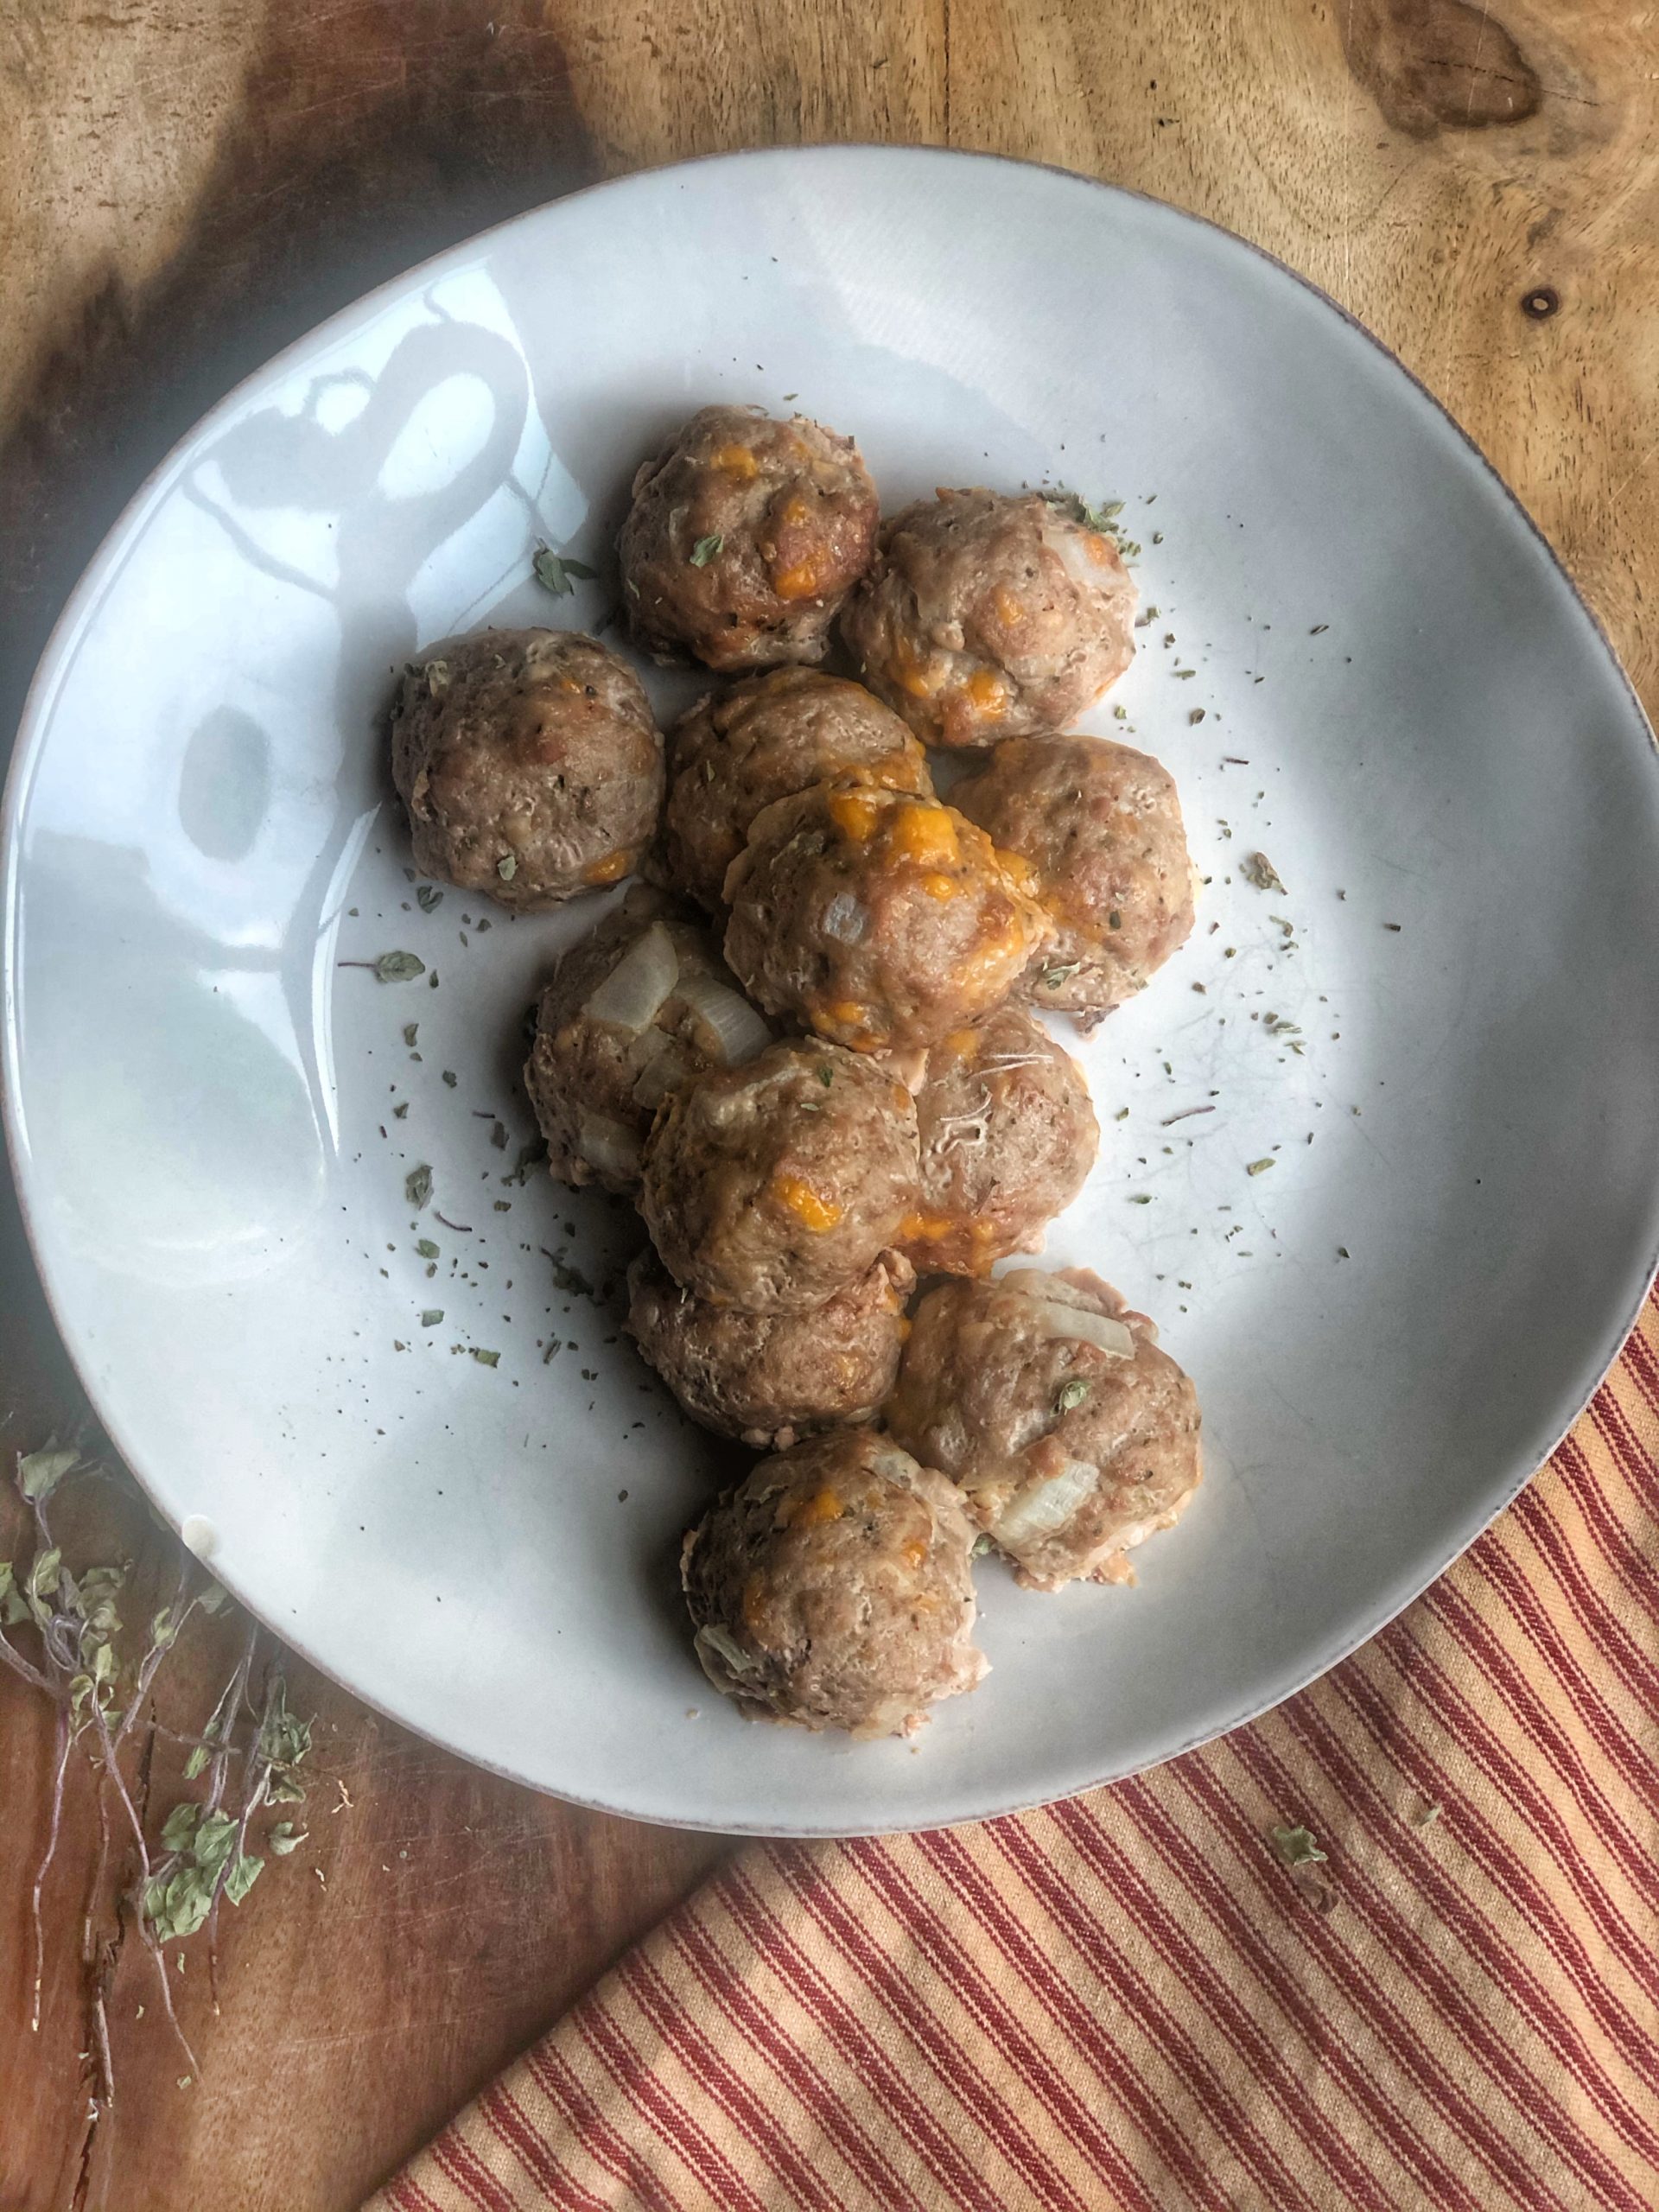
{"x": 1041, "y": 1507}
{"x": 891, "y": 1464}
{"x": 845, "y": 919}
{"x": 712, "y": 1638}
{"x": 608, "y": 1147}
{"x": 1078, "y": 1324}
{"x": 735, "y": 1030}
{"x": 634, "y": 993}
{"x": 1088, "y": 557}
{"x": 665, "y": 1071}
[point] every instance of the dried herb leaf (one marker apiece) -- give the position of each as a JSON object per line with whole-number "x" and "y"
{"x": 242, "y": 1877}
{"x": 431, "y": 1316}
{"x": 417, "y": 1186}
{"x": 427, "y": 1248}
{"x": 398, "y": 968}
{"x": 558, "y": 573}
{"x": 411, "y": 1030}
{"x": 507, "y": 866}
{"x": 427, "y": 897}
{"x": 39, "y": 1473}
{"x": 1296, "y": 1847}
{"x": 486, "y": 1358}
{"x": 181, "y": 1826}
{"x": 705, "y": 550}
{"x": 1260, "y": 1166}
{"x": 285, "y": 1837}
{"x": 1257, "y": 868}
{"x": 1053, "y": 977}
{"x": 1071, "y": 1396}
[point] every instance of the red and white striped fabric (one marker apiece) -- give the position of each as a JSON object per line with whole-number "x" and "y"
{"x": 1128, "y": 2001}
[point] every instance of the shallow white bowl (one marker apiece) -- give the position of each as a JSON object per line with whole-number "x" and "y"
{"x": 1405, "y": 707}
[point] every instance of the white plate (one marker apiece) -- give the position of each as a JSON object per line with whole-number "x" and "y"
{"x": 1436, "y": 738}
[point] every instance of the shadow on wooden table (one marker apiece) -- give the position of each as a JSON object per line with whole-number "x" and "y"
{"x": 437, "y": 1917}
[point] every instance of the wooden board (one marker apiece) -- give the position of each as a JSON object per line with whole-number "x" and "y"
{"x": 189, "y": 183}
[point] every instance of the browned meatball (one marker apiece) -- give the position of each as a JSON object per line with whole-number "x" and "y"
{"x": 744, "y": 538}
{"x": 1100, "y": 826}
{"x": 766, "y": 739}
{"x": 1007, "y": 1137}
{"x": 631, "y": 1013}
{"x": 831, "y": 1588}
{"x": 772, "y": 1187}
{"x": 883, "y": 920}
{"x": 770, "y": 1379}
{"x": 1073, "y": 1437}
{"x": 528, "y": 764}
{"x": 987, "y": 617}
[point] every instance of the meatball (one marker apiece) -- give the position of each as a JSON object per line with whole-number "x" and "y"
{"x": 768, "y": 739}
{"x": 881, "y": 920}
{"x": 1099, "y": 825}
{"x": 631, "y": 1013}
{"x": 744, "y": 538}
{"x": 528, "y": 764}
{"x": 769, "y": 1379}
{"x": 774, "y": 1186}
{"x": 987, "y": 617}
{"x": 1073, "y": 1437}
{"x": 1007, "y": 1136}
{"x": 831, "y": 1588}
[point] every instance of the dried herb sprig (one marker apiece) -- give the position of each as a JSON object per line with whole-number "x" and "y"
{"x": 249, "y": 1751}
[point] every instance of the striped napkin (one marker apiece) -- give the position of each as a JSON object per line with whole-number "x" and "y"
{"x": 1133, "y": 2001}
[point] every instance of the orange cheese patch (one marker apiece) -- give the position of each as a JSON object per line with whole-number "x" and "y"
{"x": 927, "y": 834}
{"x": 611, "y": 869}
{"x": 926, "y": 1228}
{"x": 988, "y": 693}
{"x": 855, "y": 814}
{"x": 737, "y": 460}
{"x": 812, "y": 1211}
{"x": 824, "y": 1505}
{"x": 1018, "y": 869}
{"x": 800, "y": 581}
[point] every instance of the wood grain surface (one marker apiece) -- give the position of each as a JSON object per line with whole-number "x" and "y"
{"x": 186, "y": 184}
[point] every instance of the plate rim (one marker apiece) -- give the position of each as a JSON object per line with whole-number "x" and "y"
{"x": 27, "y": 745}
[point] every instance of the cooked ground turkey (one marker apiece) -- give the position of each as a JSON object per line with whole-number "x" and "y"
{"x": 881, "y": 920}
{"x": 988, "y": 616}
{"x": 831, "y": 1588}
{"x": 1007, "y": 1137}
{"x": 1074, "y": 1437}
{"x": 773, "y": 1187}
{"x": 745, "y": 536}
{"x": 770, "y": 1379}
{"x": 765, "y": 738}
{"x": 1099, "y": 826}
{"x": 529, "y": 765}
{"x": 629, "y": 1015}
